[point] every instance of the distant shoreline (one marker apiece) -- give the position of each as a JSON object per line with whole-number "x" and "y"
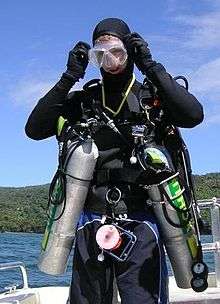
{"x": 20, "y": 232}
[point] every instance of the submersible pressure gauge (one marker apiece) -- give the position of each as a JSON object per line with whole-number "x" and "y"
{"x": 199, "y": 268}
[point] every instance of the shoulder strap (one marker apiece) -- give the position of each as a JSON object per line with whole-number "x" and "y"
{"x": 92, "y": 86}
{"x": 147, "y": 90}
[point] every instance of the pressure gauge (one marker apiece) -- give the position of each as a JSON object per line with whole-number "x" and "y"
{"x": 198, "y": 268}
{"x": 199, "y": 284}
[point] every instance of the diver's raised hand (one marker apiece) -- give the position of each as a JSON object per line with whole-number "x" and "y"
{"x": 77, "y": 62}
{"x": 138, "y": 49}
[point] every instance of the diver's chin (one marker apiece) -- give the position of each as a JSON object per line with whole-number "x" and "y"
{"x": 116, "y": 70}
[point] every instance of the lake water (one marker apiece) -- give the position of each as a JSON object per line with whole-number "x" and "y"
{"x": 25, "y": 247}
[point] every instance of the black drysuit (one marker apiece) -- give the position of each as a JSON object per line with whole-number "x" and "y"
{"x": 142, "y": 278}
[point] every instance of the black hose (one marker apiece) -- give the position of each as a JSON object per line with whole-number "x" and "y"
{"x": 184, "y": 79}
{"x": 60, "y": 176}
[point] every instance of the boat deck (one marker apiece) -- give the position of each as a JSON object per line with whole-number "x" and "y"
{"x": 59, "y": 295}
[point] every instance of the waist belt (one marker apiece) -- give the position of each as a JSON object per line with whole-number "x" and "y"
{"x": 129, "y": 176}
{"x": 128, "y": 203}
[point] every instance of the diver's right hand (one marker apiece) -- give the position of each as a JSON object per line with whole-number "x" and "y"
{"x": 77, "y": 62}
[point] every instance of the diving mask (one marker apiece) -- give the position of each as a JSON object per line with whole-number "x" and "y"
{"x": 108, "y": 55}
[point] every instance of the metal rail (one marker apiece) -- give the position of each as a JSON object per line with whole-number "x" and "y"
{"x": 211, "y": 247}
{"x": 214, "y": 205}
{"x": 12, "y": 265}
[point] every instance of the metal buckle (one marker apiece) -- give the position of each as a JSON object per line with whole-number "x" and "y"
{"x": 110, "y": 195}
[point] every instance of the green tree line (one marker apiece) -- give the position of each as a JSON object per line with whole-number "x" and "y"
{"x": 23, "y": 209}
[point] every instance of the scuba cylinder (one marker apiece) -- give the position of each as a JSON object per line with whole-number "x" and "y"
{"x": 68, "y": 191}
{"x": 177, "y": 232}
{"x": 172, "y": 192}
{"x": 169, "y": 200}
{"x": 173, "y": 213}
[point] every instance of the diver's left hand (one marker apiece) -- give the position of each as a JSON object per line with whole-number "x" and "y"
{"x": 138, "y": 48}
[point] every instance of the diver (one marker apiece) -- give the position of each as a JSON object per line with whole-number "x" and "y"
{"x": 124, "y": 109}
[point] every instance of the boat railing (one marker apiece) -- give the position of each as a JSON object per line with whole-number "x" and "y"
{"x": 214, "y": 206}
{"x": 21, "y": 266}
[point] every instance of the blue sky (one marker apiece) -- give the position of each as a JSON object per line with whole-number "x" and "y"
{"x": 36, "y": 37}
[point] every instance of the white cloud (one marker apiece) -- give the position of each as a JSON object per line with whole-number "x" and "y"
{"x": 203, "y": 30}
{"x": 28, "y": 92}
{"x": 213, "y": 3}
{"x": 213, "y": 118}
{"x": 173, "y": 6}
{"x": 206, "y": 78}
{"x": 205, "y": 83}
{"x": 198, "y": 44}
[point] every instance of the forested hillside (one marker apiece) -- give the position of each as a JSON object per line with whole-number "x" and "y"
{"x": 24, "y": 209}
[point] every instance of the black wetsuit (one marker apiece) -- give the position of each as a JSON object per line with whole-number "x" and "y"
{"x": 142, "y": 278}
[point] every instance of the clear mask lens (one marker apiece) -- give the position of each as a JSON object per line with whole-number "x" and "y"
{"x": 108, "y": 55}
{"x": 96, "y": 57}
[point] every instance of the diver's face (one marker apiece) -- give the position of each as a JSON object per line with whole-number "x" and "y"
{"x": 111, "y": 54}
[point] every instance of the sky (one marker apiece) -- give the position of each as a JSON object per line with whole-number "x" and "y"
{"x": 36, "y": 37}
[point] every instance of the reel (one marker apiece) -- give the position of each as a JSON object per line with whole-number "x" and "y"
{"x": 115, "y": 241}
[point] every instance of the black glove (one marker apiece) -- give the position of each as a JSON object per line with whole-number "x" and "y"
{"x": 77, "y": 62}
{"x": 138, "y": 49}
